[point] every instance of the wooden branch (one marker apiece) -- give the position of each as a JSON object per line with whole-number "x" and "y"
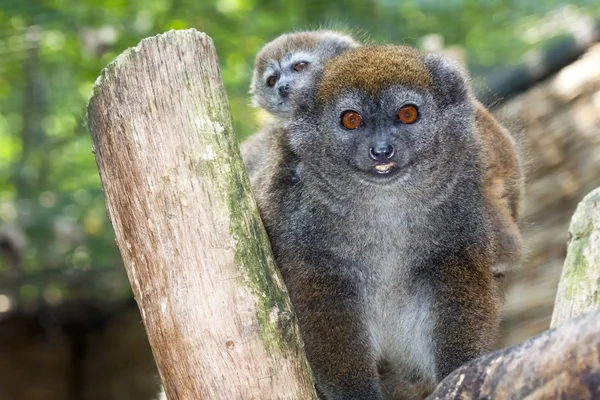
{"x": 562, "y": 363}
{"x": 579, "y": 286}
{"x": 215, "y": 309}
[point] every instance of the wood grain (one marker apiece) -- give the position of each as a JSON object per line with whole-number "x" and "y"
{"x": 215, "y": 309}
{"x": 561, "y": 363}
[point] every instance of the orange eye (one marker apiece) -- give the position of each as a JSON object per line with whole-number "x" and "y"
{"x": 272, "y": 80}
{"x": 351, "y": 120}
{"x": 301, "y": 66}
{"x": 408, "y": 114}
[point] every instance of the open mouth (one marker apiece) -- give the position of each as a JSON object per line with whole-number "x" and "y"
{"x": 384, "y": 168}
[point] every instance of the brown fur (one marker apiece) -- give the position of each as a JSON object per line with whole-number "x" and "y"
{"x": 402, "y": 385}
{"x": 503, "y": 185}
{"x": 373, "y": 68}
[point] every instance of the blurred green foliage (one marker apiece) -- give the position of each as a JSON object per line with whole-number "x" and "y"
{"x": 51, "y": 52}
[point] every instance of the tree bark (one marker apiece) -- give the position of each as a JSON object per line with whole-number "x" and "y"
{"x": 561, "y": 363}
{"x": 579, "y": 286}
{"x": 214, "y": 306}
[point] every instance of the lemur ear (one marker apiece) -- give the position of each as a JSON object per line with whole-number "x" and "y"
{"x": 303, "y": 98}
{"x": 305, "y": 114}
{"x": 449, "y": 79}
{"x": 337, "y": 47}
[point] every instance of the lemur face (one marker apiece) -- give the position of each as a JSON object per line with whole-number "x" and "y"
{"x": 283, "y": 65}
{"x": 384, "y": 115}
{"x": 379, "y": 139}
{"x": 280, "y": 78}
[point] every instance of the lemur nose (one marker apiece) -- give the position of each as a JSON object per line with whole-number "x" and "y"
{"x": 382, "y": 152}
{"x": 284, "y": 90}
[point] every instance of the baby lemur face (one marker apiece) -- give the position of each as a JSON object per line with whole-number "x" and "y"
{"x": 383, "y": 115}
{"x": 282, "y": 66}
{"x": 279, "y": 78}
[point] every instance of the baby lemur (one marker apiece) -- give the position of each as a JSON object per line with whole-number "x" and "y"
{"x": 280, "y": 68}
{"x": 376, "y": 203}
{"x": 280, "y": 65}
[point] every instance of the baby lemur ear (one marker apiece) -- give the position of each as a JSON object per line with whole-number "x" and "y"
{"x": 449, "y": 79}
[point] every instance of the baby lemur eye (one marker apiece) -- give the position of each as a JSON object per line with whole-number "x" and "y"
{"x": 272, "y": 80}
{"x": 301, "y": 66}
{"x": 408, "y": 114}
{"x": 351, "y": 119}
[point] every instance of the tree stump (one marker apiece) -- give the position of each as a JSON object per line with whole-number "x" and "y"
{"x": 215, "y": 309}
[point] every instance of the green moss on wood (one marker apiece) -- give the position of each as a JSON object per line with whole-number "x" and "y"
{"x": 578, "y": 286}
{"x": 576, "y": 266}
{"x": 585, "y": 219}
{"x": 253, "y": 254}
{"x": 277, "y": 322}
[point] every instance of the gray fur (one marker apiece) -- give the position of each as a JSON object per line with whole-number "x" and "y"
{"x": 380, "y": 270}
{"x": 278, "y": 58}
{"x": 327, "y": 44}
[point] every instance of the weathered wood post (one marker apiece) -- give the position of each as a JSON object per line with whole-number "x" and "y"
{"x": 579, "y": 285}
{"x": 215, "y": 309}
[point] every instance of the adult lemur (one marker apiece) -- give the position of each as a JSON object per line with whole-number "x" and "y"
{"x": 285, "y": 64}
{"x": 382, "y": 215}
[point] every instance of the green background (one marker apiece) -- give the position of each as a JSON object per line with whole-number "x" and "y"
{"x": 52, "y": 51}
